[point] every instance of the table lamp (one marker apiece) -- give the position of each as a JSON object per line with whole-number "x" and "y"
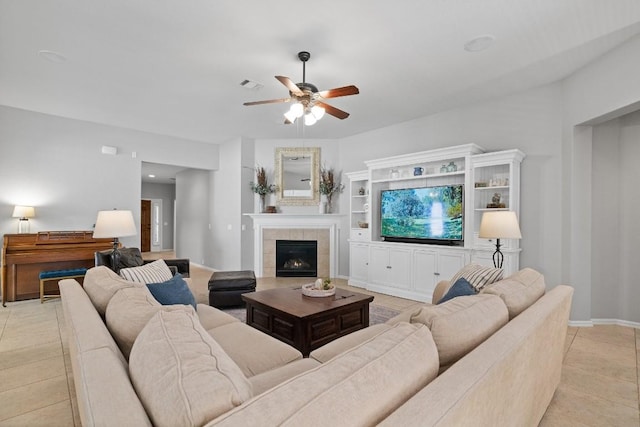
{"x": 114, "y": 224}
{"x": 24, "y": 213}
{"x": 499, "y": 225}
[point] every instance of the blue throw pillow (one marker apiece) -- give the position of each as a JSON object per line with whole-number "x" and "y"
{"x": 460, "y": 288}
{"x": 173, "y": 291}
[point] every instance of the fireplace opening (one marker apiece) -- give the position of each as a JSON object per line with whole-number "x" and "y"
{"x": 296, "y": 258}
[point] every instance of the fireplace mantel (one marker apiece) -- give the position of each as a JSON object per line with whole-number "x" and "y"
{"x": 329, "y": 222}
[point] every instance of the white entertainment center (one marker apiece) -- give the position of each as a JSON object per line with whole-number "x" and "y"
{"x": 411, "y": 270}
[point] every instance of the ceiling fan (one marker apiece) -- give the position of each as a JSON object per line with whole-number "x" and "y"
{"x": 307, "y": 100}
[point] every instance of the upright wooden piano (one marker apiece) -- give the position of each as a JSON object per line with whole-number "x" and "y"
{"x": 24, "y": 256}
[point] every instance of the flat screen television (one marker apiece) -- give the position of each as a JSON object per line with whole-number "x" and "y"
{"x": 432, "y": 215}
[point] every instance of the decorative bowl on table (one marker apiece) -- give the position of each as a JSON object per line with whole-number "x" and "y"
{"x": 319, "y": 289}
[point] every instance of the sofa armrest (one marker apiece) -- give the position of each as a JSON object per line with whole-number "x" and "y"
{"x": 441, "y": 288}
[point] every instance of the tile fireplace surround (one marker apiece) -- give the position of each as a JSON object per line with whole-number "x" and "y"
{"x": 324, "y": 228}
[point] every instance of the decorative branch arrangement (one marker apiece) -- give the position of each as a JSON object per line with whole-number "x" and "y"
{"x": 329, "y": 185}
{"x": 261, "y": 186}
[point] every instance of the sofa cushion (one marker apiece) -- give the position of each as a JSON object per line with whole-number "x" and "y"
{"x": 518, "y": 291}
{"x": 459, "y": 289}
{"x": 269, "y": 379}
{"x": 173, "y": 291}
{"x": 347, "y": 342}
{"x": 359, "y": 387}
{"x": 461, "y": 324}
{"x": 101, "y": 284}
{"x": 254, "y": 352}
{"x": 153, "y": 272}
{"x": 182, "y": 376}
{"x": 478, "y": 275}
{"x": 129, "y": 311}
{"x": 211, "y": 317}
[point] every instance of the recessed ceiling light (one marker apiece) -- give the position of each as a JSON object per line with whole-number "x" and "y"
{"x": 479, "y": 43}
{"x": 151, "y": 175}
{"x": 52, "y": 56}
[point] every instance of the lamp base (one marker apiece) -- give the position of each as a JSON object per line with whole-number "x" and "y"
{"x": 498, "y": 257}
{"x": 23, "y": 226}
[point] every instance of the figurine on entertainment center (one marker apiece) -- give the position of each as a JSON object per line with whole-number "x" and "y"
{"x": 495, "y": 202}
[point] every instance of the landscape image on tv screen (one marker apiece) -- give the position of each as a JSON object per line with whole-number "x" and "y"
{"x": 428, "y": 213}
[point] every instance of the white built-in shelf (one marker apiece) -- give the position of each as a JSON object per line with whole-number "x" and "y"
{"x": 414, "y": 177}
{"x": 495, "y": 187}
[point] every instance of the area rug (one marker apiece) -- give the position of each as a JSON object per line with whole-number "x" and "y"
{"x": 377, "y": 313}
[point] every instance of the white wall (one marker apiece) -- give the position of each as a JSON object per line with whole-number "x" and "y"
{"x": 265, "y": 157}
{"x": 615, "y": 230}
{"x": 529, "y": 121}
{"x": 56, "y": 165}
{"x": 607, "y": 88}
{"x": 226, "y": 206}
{"x": 193, "y": 236}
{"x": 629, "y": 298}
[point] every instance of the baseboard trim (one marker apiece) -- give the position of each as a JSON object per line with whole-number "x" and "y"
{"x": 593, "y": 322}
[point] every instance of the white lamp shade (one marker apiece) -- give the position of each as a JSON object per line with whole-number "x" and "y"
{"x": 114, "y": 224}
{"x": 309, "y": 120}
{"x": 499, "y": 225}
{"x": 290, "y": 116}
{"x": 318, "y": 112}
{"x": 24, "y": 212}
{"x": 297, "y": 110}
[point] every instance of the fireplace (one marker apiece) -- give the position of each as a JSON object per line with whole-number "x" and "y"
{"x": 296, "y": 258}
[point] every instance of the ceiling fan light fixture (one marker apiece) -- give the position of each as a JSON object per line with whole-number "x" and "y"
{"x": 290, "y": 116}
{"x": 297, "y": 110}
{"x": 317, "y": 111}
{"x": 309, "y": 119}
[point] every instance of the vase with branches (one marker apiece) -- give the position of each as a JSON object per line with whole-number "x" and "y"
{"x": 329, "y": 185}
{"x": 261, "y": 186}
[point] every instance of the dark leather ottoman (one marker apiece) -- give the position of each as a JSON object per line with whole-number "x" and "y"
{"x": 225, "y": 287}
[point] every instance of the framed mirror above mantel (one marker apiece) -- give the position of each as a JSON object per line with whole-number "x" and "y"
{"x": 297, "y": 176}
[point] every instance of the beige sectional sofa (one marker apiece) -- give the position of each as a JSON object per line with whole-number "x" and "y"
{"x": 136, "y": 362}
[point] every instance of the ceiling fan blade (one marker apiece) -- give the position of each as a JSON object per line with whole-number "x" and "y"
{"x": 335, "y": 112}
{"x": 290, "y": 85}
{"x": 268, "y": 101}
{"x": 339, "y": 91}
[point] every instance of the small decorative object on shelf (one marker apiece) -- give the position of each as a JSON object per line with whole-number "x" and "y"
{"x": 271, "y": 209}
{"x": 452, "y": 167}
{"x": 443, "y": 169}
{"x": 261, "y": 187}
{"x": 481, "y": 185}
{"x": 329, "y": 185}
{"x": 418, "y": 171}
{"x": 363, "y": 224}
{"x": 394, "y": 174}
{"x": 495, "y": 202}
{"x": 361, "y": 191}
{"x": 321, "y": 288}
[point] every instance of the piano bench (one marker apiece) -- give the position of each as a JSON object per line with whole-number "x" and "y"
{"x": 45, "y": 276}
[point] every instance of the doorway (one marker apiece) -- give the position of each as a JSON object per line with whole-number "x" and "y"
{"x": 151, "y": 225}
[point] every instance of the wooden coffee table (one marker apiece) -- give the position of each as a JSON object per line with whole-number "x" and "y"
{"x": 303, "y": 322}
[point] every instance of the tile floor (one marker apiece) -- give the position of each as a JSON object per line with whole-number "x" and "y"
{"x": 599, "y": 383}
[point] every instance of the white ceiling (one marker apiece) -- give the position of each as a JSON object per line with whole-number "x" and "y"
{"x": 174, "y": 67}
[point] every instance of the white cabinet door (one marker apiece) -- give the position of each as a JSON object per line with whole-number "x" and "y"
{"x": 359, "y": 265}
{"x": 449, "y": 263}
{"x": 400, "y": 271}
{"x": 424, "y": 272}
{"x": 389, "y": 266}
{"x": 378, "y": 265}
